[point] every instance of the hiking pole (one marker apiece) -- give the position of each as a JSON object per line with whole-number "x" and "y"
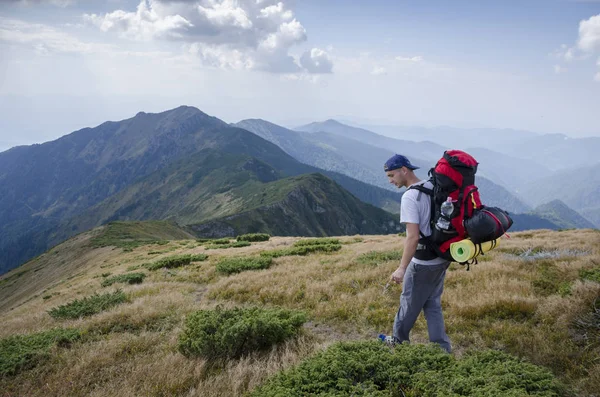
{"x": 385, "y": 288}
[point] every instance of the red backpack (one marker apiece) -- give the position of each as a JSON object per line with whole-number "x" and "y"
{"x": 453, "y": 177}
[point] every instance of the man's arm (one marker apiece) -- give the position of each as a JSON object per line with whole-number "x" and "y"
{"x": 410, "y": 247}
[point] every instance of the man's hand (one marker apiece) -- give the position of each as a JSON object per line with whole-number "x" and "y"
{"x": 398, "y": 275}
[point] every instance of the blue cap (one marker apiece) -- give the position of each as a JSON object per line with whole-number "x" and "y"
{"x": 398, "y": 161}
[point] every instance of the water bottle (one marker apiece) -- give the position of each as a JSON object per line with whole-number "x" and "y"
{"x": 446, "y": 210}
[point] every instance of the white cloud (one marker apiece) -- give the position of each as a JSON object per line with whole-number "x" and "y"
{"x": 226, "y": 13}
{"x": 253, "y": 34}
{"x": 597, "y": 77}
{"x": 559, "y": 69}
{"x": 378, "y": 70}
{"x": 316, "y": 61}
{"x": 276, "y": 12}
{"x": 410, "y": 59}
{"x": 221, "y": 57}
{"x": 588, "y": 42}
{"x": 144, "y": 24}
{"x": 565, "y": 53}
{"x": 589, "y": 34}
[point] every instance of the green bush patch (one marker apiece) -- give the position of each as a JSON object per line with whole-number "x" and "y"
{"x": 88, "y": 306}
{"x": 233, "y": 333}
{"x": 220, "y": 241}
{"x": 590, "y": 274}
{"x": 170, "y": 262}
{"x": 254, "y": 237}
{"x": 316, "y": 241}
{"x": 22, "y": 352}
{"x": 373, "y": 258}
{"x": 550, "y": 280}
{"x": 236, "y": 265}
{"x": 129, "y": 278}
{"x": 199, "y": 257}
{"x": 372, "y": 369}
{"x": 235, "y": 244}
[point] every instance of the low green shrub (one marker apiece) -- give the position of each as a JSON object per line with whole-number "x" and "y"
{"x": 129, "y": 278}
{"x": 373, "y": 258}
{"x": 301, "y": 250}
{"x": 236, "y": 265}
{"x": 235, "y": 244}
{"x": 254, "y": 237}
{"x": 22, "y": 352}
{"x": 224, "y": 240}
{"x": 549, "y": 279}
{"x": 316, "y": 241}
{"x": 233, "y": 333}
{"x": 170, "y": 262}
{"x": 199, "y": 257}
{"x": 88, "y": 306}
{"x": 372, "y": 369}
{"x": 590, "y": 274}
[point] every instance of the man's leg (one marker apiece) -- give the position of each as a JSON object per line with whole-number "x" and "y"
{"x": 415, "y": 291}
{"x": 433, "y": 308}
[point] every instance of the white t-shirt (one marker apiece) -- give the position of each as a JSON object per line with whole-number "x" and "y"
{"x": 415, "y": 207}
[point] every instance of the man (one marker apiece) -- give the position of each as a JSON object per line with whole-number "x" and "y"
{"x": 423, "y": 280}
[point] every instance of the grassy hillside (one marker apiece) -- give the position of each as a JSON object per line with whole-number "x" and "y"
{"x": 535, "y": 297}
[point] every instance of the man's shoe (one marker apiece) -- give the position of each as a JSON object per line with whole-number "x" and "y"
{"x": 388, "y": 340}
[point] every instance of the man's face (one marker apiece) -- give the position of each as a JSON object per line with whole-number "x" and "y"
{"x": 396, "y": 177}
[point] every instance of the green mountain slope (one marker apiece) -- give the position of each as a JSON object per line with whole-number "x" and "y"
{"x": 309, "y": 205}
{"x": 214, "y": 185}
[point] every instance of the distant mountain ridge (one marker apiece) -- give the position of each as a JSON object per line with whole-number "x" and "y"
{"x": 419, "y": 149}
{"x": 334, "y": 151}
{"x": 459, "y": 138}
{"x": 561, "y": 215}
{"x": 579, "y": 188}
{"x": 526, "y": 164}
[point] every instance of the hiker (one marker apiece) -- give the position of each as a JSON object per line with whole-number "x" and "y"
{"x": 423, "y": 279}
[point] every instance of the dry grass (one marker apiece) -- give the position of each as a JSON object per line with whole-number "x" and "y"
{"x": 524, "y": 306}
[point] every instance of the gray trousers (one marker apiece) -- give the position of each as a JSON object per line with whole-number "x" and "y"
{"x": 422, "y": 290}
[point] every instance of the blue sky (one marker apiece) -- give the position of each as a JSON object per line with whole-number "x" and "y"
{"x": 530, "y": 65}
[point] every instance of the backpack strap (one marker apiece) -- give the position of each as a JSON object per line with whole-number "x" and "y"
{"x": 422, "y": 189}
{"x": 426, "y": 250}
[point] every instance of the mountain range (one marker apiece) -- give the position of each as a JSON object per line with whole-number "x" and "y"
{"x": 215, "y": 179}
{"x": 533, "y": 168}
{"x": 355, "y": 157}
{"x": 180, "y": 165}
